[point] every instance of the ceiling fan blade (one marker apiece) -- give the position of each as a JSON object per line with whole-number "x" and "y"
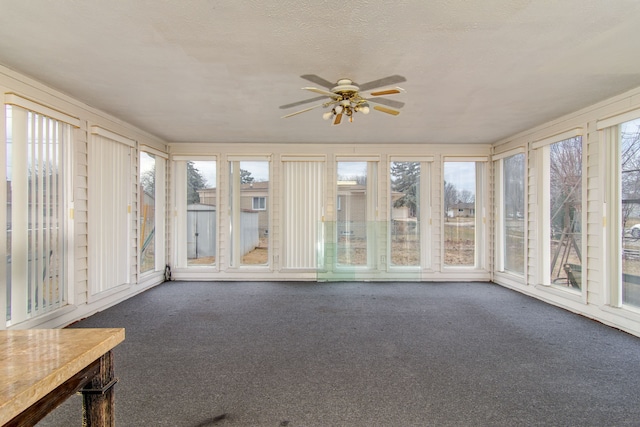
{"x": 337, "y": 119}
{"x": 320, "y": 91}
{"x": 306, "y": 101}
{"x": 385, "y": 81}
{"x": 387, "y": 102}
{"x": 388, "y": 92}
{"x": 386, "y": 110}
{"x": 318, "y": 80}
{"x": 302, "y": 111}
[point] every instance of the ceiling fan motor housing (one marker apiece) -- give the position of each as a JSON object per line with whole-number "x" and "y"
{"x": 345, "y": 88}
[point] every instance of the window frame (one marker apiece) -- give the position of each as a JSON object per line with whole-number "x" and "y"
{"x": 161, "y": 160}
{"x": 179, "y": 252}
{"x": 19, "y": 313}
{"x": 370, "y": 211}
{"x": 541, "y": 150}
{"x": 481, "y": 249}
{"x": 609, "y": 133}
{"x": 501, "y": 216}
{"x": 234, "y": 202}
{"x": 262, "y": 199}
{"x": 425, "y": 213}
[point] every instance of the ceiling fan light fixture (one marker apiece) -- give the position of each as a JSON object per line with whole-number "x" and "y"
{"x": 338, "y": 109}
{"x": 327, "y": 115}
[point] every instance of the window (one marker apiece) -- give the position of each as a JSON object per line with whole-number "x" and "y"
{"x": 259, "y": 203}
{"x": 197, "y": 206}
{"x": 249, "y": 212}
{"x": 405, "y": 213}
{"x": 511, "y": 206}
{"x": 460, "y": 225}
{"x": 147, "y": 207}
{"x": 561, "y": 229}
{"x": 355, "y": 186}
{"x": 151, "y": 210}
{"x": 37, "y": 170}
{"x": 629, "y": 207}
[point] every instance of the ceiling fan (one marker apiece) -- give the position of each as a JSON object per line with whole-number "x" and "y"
{"x": 347, "y": 97}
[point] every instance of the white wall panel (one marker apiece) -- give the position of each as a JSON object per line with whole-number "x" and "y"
{"x": 595, "y": 256}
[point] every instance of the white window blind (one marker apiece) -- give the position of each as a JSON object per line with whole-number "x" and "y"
{"x": 109, "y": 213}
{"x": 303, "y": 208}
{"x": 37, "y": 147}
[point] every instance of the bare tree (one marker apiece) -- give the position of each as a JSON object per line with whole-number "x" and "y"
{"x": 565, "y": 194}
{"x": 514, "y": 185}
{"x": 148, "y": 181}
{"x": 450, "y": 197}
{"x": 630, "y": 175}
{"x": 466, "y": 196}
{"x": 565, "y": 168}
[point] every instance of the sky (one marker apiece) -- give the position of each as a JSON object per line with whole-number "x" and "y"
{"x": 207, "y": 168}
{"x": 259, "y": 170}
{"x": 352, "y": 169}
{"x": 461, "y": 174}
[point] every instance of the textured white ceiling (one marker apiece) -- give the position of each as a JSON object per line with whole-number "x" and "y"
{"x": 217, "y": 71}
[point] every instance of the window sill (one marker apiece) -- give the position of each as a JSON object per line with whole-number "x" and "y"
{"x": 573, "y": 295}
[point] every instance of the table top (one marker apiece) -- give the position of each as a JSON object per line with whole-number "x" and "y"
{"x": 34, "y": 362}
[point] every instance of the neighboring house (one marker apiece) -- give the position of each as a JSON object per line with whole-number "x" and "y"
{"x": 253, "y": 198}
{"x": 400, "y": 213}
{"x": 462, "y": 210}
{"x": 351, "y": 209}
{"x": 351, "y": 206}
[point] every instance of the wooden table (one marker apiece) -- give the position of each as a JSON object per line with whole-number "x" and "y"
{"x": 41, "y": 368}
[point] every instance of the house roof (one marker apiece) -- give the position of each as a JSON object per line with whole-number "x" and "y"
{"x": 217, "y": 71}
{"x": 258, "y": 185}
{"x": 463, "y": 206}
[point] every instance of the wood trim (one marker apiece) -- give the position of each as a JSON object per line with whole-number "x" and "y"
{"x": 36, "y": 107}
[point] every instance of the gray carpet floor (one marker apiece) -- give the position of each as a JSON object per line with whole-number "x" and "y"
{"x": 275, "y": 354}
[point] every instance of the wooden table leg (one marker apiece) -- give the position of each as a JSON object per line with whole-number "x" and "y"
{"x": 98, "y": 396}
{"x": 48, "y": 403}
